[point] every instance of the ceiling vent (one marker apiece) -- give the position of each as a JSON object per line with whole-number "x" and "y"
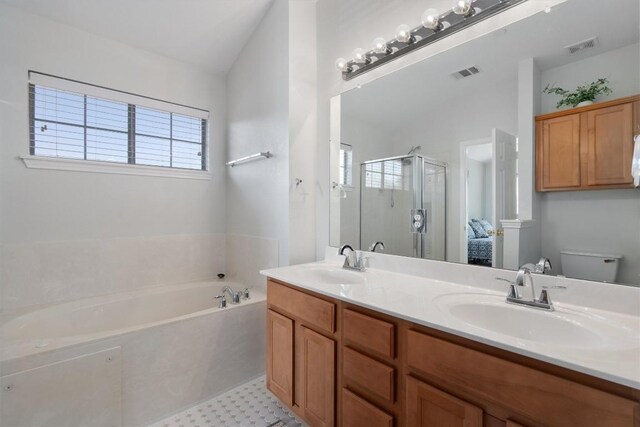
{"x": 591, "y": 43}
{"x": 467, "y": 72}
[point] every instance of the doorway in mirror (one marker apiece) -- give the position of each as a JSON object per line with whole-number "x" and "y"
{"x": 488, "y": 196}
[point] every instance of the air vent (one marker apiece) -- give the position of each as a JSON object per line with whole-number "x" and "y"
{"x": 467, "y": 72}
{"x": 583, "y": 45}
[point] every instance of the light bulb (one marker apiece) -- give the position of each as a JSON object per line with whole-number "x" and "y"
{"x": 342, "y": 65}
{"x": 431, "y": 19}
{"x": 359, "y": 56}
{"x": 380, "y": 45}
{"x": 461, "y": 7}
{"x": 403, "y": 34}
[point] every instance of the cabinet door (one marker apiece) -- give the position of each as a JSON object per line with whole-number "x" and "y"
{"x": 429, "y": 407}
{"x": 609, "y": 145}
{"x": 318, "y": 378}
{"x": 280, "y": 356}
{"x": 558, "y": 153}
{"x": 357, "y": 412}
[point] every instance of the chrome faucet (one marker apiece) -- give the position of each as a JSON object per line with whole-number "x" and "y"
{"x": 542, "y": 266}
{"x": 354, "y": 260}
{"x": 514, "y": 297}
{"x": 373, "y": 247}
{"x": 223, "y": 301}
{"x": 235, "y": 296}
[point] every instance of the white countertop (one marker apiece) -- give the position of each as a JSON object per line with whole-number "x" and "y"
{"x": 419, "y": 299}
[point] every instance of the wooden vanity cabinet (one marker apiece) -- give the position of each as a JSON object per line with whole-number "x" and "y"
{"x": 587, "y": 148}
{"x": 335, "y": 363}
{"x": 301, "y": 352}
{"x": 428, "y": 406}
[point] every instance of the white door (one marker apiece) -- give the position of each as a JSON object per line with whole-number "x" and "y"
{"x": 504, "y": 188}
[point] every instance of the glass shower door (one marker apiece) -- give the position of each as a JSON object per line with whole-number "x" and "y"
{"x": 402, "y": 204}
{"x": 434, "y": 203}
{"x": 386, "y": 200}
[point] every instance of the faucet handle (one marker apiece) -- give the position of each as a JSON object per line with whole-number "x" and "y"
{"x": 513, "y": 292}
{"x": 246, "y": 294}
{"x": 223, "y": 301}
{"x": 544, "y": 297}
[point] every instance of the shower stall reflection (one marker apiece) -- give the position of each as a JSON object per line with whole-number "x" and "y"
{"x": 402, "y": 203}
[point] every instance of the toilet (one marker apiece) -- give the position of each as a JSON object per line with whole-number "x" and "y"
{"x": 589, "y": 265}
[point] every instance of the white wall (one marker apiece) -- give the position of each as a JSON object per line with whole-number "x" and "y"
{"x": 272, "y": 107}
{"x": 93, "y": 216}
{"x": 258, "y": 106}
{"x": 623, "y": 77}
{"x": 476, "y": 189}
{"x": 303, "y": 129}
{"x": 602, "y": 221}
{"x": 368, "y": 142}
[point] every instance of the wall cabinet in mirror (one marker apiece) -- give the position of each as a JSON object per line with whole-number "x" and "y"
{"x": 586, "y": 148}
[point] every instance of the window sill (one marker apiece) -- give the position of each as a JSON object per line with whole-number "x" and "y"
{"x": 57, "y": 163}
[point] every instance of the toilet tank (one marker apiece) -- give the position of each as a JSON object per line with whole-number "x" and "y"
{"x": 589, "y": 265}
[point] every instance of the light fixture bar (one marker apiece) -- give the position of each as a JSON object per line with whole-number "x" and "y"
{"x": 421, "y": 36}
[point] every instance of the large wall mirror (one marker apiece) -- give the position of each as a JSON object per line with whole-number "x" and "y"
{"x": 463, "y": 157}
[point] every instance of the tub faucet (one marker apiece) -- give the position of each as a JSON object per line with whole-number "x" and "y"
{"x": 235, "y": 296}
{"x": 223, "y": 301}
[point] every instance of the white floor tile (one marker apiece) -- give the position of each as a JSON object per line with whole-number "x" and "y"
{"x": 250, "y": 404}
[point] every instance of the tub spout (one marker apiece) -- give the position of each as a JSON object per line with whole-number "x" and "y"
{"x": 235, "y": 296}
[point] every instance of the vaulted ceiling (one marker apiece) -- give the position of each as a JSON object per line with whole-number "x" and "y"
{"x": 207, "y": 33}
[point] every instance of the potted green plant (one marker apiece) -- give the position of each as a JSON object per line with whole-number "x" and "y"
{"x": 583, "y": 95}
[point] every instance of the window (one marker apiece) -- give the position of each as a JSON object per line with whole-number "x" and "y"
{"x": 384, "y": 174}
{"x": 74, "y": 120}
{"x": 346, "y": 166}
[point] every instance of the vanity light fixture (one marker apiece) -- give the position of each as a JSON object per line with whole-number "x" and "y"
{"x": 360, "y": 56}
{"x": 380, "y": 46}
{"x": 403, "y": 34}
{"x": 463, "y": 7}
{"x": 434, "y": 26}
{"x": 431, "y": 20}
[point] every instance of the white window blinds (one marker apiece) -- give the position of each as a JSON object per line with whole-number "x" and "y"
{"x": 74, "y": 120}
{"x": 346, "y": 165}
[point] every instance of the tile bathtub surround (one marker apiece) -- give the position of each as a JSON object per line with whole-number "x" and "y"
{"x": 56, "y": 271}
{"x": 173, "y": 366}
{"x": 247, "y": 255}
{"x": 250, "y": 404}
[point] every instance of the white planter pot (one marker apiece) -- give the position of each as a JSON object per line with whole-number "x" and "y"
{"x": 584, "y": 103}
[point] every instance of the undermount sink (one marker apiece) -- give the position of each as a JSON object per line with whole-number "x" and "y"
{"x": 566, "y": 328}
{"x": 333, "y": 275}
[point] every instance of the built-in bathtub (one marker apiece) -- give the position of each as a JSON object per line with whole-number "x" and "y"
{"x": 163, "y": 349}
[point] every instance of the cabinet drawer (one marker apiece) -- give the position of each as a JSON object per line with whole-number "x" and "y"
{"x": 363, "y": 371}
{"x": 311, "y": 310}
{"x": 546, "y": 398}
{"x": 357, "y": 412}
{"x": 369, "y": 333}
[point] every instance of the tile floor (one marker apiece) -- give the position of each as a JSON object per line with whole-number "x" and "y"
{"x": 249, "y": 404}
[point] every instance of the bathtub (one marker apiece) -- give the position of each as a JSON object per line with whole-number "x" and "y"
{"x": 167, "y": 348}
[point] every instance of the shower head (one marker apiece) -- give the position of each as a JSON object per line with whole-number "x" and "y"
{"x": 414, "y": 149}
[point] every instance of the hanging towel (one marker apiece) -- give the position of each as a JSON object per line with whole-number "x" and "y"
{"x": 635, "y": 162}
